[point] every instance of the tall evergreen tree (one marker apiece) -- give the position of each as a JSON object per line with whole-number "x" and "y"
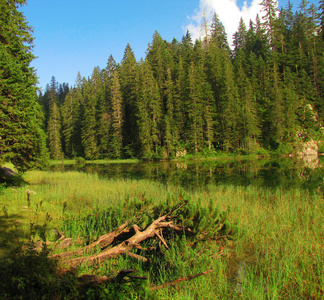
{"x": 182, "y": 95}
{"x": 239, "y": 37}
{"x": 149, "y": 107}
{"x": 228, "y": 112}
{"x": 248, "y": 122}
{"x": 186, "y": 50}
{"x": 218, "y": 32}
{"x": 71, "y": 119}
{"x": 127, "y": 78}
{"x": 291, "y": 105}
{"x": 155, "y": 58}
{"x": 54, "y": 122}
{"x": 200, "y": 109}
{"x": 117, "y": 117}
{"x": 22, "y": 140}
{"x": 89, "y": 120}
{"x": 269, "y": 7}
{"x": 171, "y": 125}
{"x": 321, "y": 17}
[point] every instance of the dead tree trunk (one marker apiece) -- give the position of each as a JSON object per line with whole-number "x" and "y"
{"x": 123, "y": 248}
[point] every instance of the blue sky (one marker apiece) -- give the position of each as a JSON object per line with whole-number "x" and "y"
{"x": 74, "y": 36}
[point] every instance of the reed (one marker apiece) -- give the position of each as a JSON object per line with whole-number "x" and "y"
{"x": 279, "y": 255}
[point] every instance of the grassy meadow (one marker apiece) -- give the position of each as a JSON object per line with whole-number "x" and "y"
{"x": 278, "y": 254}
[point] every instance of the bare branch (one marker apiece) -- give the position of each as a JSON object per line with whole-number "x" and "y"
{"x": 176, "y": 282}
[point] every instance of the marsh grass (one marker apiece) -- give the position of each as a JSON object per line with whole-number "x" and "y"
{"x": 98, "y": 161}
{"x": 279, "y": 255}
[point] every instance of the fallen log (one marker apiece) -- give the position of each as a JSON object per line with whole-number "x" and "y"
{"x": 122, "y": 248}
{"x": 102, "y": 242}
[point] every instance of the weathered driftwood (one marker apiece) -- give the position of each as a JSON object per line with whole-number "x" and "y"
{"x": 121, "y": 242}
{"x": 102, "y": 242}
{"x": 122, "y": 248}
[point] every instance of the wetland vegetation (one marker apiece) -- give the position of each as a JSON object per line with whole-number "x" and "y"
{"x": 274, "y": 251}
{"x": 221, "y": 227}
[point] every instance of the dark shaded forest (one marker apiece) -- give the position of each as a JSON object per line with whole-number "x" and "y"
{"x": 265, "y": 93}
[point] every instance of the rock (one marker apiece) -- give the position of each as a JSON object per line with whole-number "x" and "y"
{"x": 6, "y": 174}
{"x": 309, "y": 148}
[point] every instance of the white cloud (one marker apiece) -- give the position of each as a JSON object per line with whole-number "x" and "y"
{"x": 228, "y": 12}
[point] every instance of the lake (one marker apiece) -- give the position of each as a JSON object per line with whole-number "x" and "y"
{"x": 285, "y": 173}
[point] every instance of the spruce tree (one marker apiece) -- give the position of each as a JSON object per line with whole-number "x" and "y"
{"x": 89, "y": 121}
{"x": 155, "y": 58}
{"x": 218, "y": 32}
{"x": 270, "y": 9}
{"x": 171, "y": 126}
{"x": 181, "y": 83}
{"x": 71, "y": 119}
{"x": 248, "y": 124}
{"x": 321, "y": 17}
{"x": 22, "y": 140}
{"x": 149, "y": 108}
{"x": 290, "y": 104}
{"x": 54, "y": 122}
{"x": 127, "y": 78}
{"x": 117, "y": 115}
{"x": 239, "y": 38}
{"x": 195, "y": 125}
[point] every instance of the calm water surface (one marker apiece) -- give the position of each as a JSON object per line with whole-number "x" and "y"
{"x": 285, "y": 173}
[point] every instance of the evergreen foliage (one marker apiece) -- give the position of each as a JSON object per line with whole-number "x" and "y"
{"x": 201, "y": 95}
{"x": 22, "y": 140}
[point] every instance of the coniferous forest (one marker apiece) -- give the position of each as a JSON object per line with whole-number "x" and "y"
{"x": 264, "y": 92}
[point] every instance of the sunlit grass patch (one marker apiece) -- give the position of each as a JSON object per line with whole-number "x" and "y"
{"x": 279, "y": 255}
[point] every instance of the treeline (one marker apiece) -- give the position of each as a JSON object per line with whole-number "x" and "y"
{"x": 265, "y": 93}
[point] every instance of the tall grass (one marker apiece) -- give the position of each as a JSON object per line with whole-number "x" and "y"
{"x": 279, "y": 256}
{"x": 283, "y": 244}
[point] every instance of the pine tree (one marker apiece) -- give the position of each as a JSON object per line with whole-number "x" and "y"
{"x": 270, "y": 9}
{"x": 260, "y": 45}
{"x": 22, "y": 140}
{"x": 71, "y": 119}
{"x": 321, "y": 17}
{"x": 117, "y": 117}
{"x": 248, "y": 123}
{"x": 228, "y": 111}
{"x": 218, "y": 32}
{"x": 104, "y": 113}
{"x": 195, "y": 109}
{"x": 186, "y": 50}
{"x": 54, "y": 122}
{"x": 127, "y": 78}
{"x": 171, "y": 126}
{"x": 89, "y": 120}
{"x": 149, "y": 108}
{"x": 154, "y": 56}
{"x": 291, "y": 104}
{"x": 283, "y": 41}
{"x": 181, "y": 93}
{"x": 111, "y": 66}
{"x": 274, "y": 99}
{"x": 239, "y": 38}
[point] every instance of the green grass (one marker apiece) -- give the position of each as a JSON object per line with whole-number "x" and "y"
{"x": 98, "y": 161}
{"x": 280, "y": 254}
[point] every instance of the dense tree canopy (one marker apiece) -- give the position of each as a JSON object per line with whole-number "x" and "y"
{"x": 22, "y": 140}
{"x": 266, "y": 92}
